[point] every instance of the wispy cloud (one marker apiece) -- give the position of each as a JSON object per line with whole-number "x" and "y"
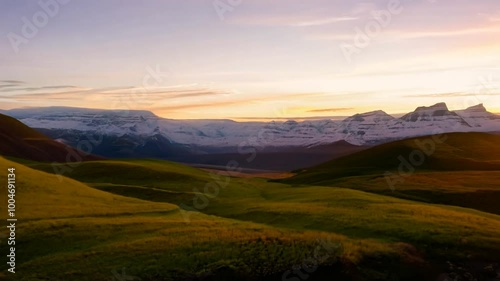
{"x": 402, "y": 69}
{"x": 296, "y": 118}
{"x": 450, "y": 95}
{"x": 171, "y": 98}
{"x": 236, "y": 101}
{"x": 15, "y": 82}
{"x": 492, "y": 17}
{"x": 38, "y": 97}
{"x": 323, "y": 21}
{"x": 197, "y": 93}
{"x": 447, "y": 33}
{"x": 330, "y": 109}
{"x": 15, "y": 88}
{"x": 409, "y": 34}
{"x": 5, "y": 84}
{"x": 291, "y": 20}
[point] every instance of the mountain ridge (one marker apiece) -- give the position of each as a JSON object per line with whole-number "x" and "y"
{"x": 144, "y": 134}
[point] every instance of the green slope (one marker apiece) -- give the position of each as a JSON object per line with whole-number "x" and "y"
{"x": 250, "y": 227}
{"x": 69, "y": 231}
{"x": 447, "y": 152}
{"x": 461, "y": 169}
{"x": 44, "y": 196}
{"x": 431, "y": 228}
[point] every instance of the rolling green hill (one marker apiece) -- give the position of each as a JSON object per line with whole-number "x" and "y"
{"x": 67, "y": 230}
{"x": 461, "y": 169}
{"x": 349, "y": 212}
{"x": 471, "y": 189}
{"x": 447, "y": 152}
{"x": 159, "y": 220}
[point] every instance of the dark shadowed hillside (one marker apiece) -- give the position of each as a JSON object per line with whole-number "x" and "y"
{"x": 447, "y": 152}
{"x": 460, "y": 169}
{"x": 20, "y": 141}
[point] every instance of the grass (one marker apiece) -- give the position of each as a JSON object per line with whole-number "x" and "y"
{"x": 448, "y": 152}
{"x": 164, "y": 245}
{"x": 462, "y": 170}
{"x": 124, "y": 214}
{"x": 155, "y": 173}
{"x": 438, "y": 230}
{"x": 70, "y": 231}
{"x": 44, "y": 196}
{"x": 471, "y": 189}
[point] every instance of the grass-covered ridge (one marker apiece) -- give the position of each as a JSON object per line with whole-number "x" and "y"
{"x": 447, "y": 152}
{"x": 461, "y": 169}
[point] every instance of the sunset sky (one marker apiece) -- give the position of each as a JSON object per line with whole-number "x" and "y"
{"x": 250, "y": 58}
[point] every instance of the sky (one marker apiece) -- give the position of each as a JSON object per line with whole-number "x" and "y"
{"x": 250, "y": 59}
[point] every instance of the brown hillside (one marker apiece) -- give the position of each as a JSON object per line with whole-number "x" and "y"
{"x": 20, "y": 141}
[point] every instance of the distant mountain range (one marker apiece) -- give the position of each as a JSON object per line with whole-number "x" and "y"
{"x": 143, "y": 134}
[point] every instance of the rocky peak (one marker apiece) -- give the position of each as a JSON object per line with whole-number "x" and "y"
{"x": 429, "y": 113}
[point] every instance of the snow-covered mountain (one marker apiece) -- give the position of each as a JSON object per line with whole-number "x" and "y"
{"x": 477, "y": 116}
{"x": 70, "y": 124}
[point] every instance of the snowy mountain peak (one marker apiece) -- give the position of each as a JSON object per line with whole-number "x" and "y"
{"x": 476, "y": 108}
{"x": 435, "y": 112}
{"x": 437, "y": 107}
{"x": 378, "y": 115}
{"x": 478, "y": 116}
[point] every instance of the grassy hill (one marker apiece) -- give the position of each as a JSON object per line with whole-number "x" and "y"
{"x": 461, "y": 169}
{"x": 116, "y": 215}
{"x": 349, "y": 212}
{"x": 447, "y": 152}
{"x": 20, "y": 141}
{"x": 70, "y": 231}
